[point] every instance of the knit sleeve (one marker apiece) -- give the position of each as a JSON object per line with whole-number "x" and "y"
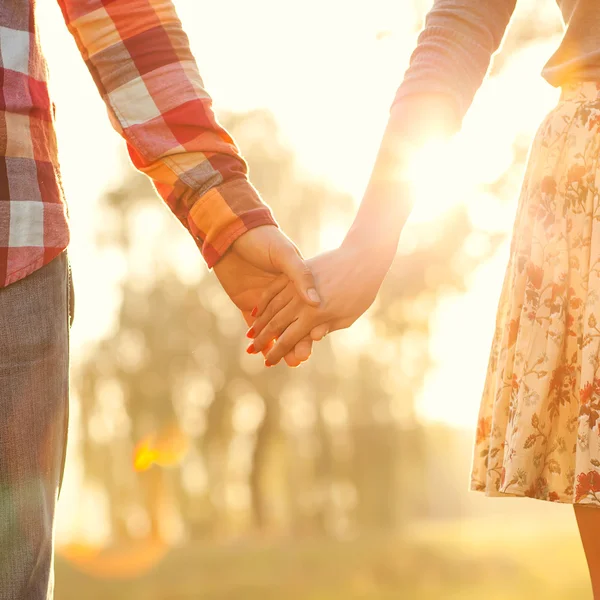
{"x": 454, "y": 51}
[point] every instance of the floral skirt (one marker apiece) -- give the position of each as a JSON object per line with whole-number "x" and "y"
{"x": 538, "y": 432}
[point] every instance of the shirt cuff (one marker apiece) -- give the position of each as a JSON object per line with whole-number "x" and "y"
{"x": 223, "y": 214}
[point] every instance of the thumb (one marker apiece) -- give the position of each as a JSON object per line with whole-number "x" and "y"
{"x": 291, "y": 264}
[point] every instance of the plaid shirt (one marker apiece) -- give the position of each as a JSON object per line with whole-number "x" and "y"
{"x": 141, "y": 63}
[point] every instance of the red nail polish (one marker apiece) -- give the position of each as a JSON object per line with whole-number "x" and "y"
{"x": 251, "y": 333}
{"x": 268, "y": 364}
{"x": 251, "y": 349}
{"x": 254, "y": 311}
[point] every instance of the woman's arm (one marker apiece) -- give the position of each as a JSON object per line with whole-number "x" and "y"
{"x": 387, "y": 201}
{"x": 451, "y": 59}
{"x": 454, "y": 50}
{"x": 446, "y": 69}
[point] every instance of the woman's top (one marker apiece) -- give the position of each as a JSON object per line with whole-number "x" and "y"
{"x": 460, "y": 36}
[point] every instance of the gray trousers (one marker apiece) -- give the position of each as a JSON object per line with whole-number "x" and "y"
{"x": 34, "y": 394}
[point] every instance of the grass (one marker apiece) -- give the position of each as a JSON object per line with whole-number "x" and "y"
{"x": 459, "y": 560}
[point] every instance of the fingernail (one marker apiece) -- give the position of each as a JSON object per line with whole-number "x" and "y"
{"x": 251, "y": 333}
{"x": 313, "y": 295}
{"x": 254, "y": 311}
{"x": 268, "y": 364}
{"x": 251, "y": 349}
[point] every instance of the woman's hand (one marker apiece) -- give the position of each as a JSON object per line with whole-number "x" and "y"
{"x": 348, "y": 280}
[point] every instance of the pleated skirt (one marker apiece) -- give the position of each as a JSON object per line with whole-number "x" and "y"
{"x": 538, "y": 430}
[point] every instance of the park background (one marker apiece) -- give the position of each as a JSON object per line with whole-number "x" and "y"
{"x": 193, "y": 472}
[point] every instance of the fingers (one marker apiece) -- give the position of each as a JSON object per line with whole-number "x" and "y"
{"x": 303, "y": 349}
{"x": 275, "y": 288}
{"x": 276, "y": 326}
{"x": 291, "y": 360}
{"x": 292, "y": 264}
{"x": 277, "y": 304}
{"x": 318, "y": 333}
{"x": 287, "y": 340}
{"x": 300, "y": 353}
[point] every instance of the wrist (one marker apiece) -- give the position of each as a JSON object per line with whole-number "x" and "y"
{"x": 371, "y": 245}
{"x": 378, "y": 224}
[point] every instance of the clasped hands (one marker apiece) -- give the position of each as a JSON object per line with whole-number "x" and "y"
{"x": 288, "y": 302}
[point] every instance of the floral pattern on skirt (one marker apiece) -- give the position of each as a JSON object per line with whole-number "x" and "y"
{"x": 538, "y": 432}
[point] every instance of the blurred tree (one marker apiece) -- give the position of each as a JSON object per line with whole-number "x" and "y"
{"x": 331, "y": 448}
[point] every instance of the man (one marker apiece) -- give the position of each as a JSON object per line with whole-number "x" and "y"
{"x": 141, "y": 63}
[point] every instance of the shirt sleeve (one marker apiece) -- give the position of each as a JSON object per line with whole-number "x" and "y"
{"x": 140, "y": 59}
{"x": 453, "y": 53}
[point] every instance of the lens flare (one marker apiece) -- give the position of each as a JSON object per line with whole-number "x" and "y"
{"x": 125, "y": 562}
{"x": 166, "y": 449}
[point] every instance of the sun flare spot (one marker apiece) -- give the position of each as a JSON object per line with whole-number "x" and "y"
{"x": 166, "y": 450}
{"x": 445, "y": 173}
{"x": 435, "y": 179}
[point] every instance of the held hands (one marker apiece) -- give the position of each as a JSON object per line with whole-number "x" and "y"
{"x": 268, "y": 279}
{"x": 348, "y": 280}
{"x": 254, "y": 261}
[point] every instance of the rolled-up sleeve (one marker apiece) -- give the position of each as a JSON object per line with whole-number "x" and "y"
{"x": 140, "y": 59}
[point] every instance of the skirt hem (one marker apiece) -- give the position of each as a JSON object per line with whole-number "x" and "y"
{"x": 521, "y": 493}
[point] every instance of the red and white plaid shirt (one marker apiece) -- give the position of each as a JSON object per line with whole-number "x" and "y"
{"x": 141, "y": 63}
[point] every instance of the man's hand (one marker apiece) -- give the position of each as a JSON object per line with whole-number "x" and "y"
{"x": 254, "y": 262}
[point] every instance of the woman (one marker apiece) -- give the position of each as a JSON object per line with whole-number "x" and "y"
{"x": 538, "y": 433}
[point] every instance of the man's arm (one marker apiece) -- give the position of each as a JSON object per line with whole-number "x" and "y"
{"x": 139, "y": 57}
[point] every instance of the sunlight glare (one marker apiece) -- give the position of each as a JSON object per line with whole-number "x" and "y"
{"x": 435, "y": 180}
{"x": 447, "y": 172}
{"x": 331, "y": 236}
